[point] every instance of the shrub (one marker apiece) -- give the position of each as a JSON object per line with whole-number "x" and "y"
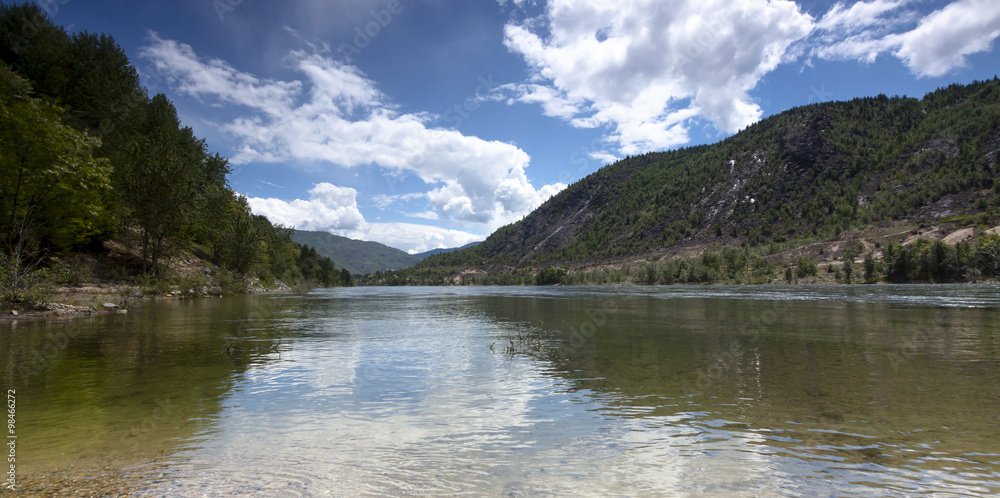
{"x": 806, "y": 266}
{"x": 550, "y": 276}
{"x": 987, "y": 255}
{"x": 24, "y": 284}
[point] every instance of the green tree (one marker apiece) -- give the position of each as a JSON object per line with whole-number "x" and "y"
{"x": 50, "y": 181}
{"x": 240, "y": 243}
{"x": 157, "y": 179}
{"x": 805, "y": 266}
{"x": 871, "y": 268}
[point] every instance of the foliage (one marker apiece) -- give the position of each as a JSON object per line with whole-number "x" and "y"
{"x": 22, "y": 283}
{"x": 936, "y": 261}
{"x": 805, "y": 267}
{"x": 550, "y": 276}
{"x": 86, "y": 155}
{"x": 49, "y": 179}
{"x": 872, "y": 268}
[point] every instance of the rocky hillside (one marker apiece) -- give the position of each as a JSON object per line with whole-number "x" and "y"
{"x": 805, "y": 175}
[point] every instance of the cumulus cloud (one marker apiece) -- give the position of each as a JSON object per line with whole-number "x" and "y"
{"x": 943, "y": 40}
{"x": 329, "y": 208}
{"x": 645, "y": 67}
{"x": 934, "y": 45}
{"x": 334, "y": 114}
{"x": 414, "y": 238}
{"x": 334, "y": 209}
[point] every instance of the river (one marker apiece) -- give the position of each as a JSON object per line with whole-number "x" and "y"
{"x": 686, "y": 390}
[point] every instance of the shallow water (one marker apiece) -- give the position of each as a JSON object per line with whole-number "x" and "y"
{"x": 803, "y": 390}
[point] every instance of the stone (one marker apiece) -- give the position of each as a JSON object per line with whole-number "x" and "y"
{"x": 110, "y": 306}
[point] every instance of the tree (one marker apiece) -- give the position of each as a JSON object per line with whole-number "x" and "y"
{"x": 240, "y": 242}
{"x": 157, "y": 179}
{"x": 871, "y": 268}
{"x": 49, "y": 180}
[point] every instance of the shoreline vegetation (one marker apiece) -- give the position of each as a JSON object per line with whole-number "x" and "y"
{"x": 945, "y": 253}
{"x": 106, "y": 198}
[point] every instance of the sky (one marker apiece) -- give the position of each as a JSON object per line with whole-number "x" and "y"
{"x": 431, "y": 123}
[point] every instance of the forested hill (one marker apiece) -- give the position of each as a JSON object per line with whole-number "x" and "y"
{"x": 805, "y": 174}
{"x": 89, "y": 161}
{"x": 356, "y": 256}
{"x": 362, "y": 257}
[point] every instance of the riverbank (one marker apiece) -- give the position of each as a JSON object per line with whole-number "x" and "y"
{"x": 111, "y": 282}
{"x": 953, "y": 250}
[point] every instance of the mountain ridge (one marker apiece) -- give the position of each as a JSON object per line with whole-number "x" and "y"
{"x": 806, "y": 174}
{"x": 361, "y": 257}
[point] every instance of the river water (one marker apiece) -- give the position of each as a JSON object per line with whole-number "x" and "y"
{"x": 717, "y": 390}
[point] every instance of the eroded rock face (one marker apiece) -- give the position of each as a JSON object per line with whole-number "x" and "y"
{"x": 803, "y": 143}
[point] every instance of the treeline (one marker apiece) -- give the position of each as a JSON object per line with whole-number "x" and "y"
{"x": 923, "y": 261}
{"x": 87, "y": 156}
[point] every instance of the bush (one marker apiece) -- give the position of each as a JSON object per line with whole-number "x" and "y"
{"x": 73, "y": 272}
{"x": 987, "y": 255}
{"x": 806, "y": 266}
{"x": 193, "y": 282}
{"x": 230, "y": 282}
{"x": 24, "y": 285}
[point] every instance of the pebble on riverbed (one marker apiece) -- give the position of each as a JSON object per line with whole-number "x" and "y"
{"x": 78, "y": 484}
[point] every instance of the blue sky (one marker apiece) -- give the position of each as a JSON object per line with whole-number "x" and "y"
{"x": 430, "y": 123}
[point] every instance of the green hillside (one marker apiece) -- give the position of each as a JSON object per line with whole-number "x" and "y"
{"x": 357, "y": 256}
{"x": 809, "y": 174}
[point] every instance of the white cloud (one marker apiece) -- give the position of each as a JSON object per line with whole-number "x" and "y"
{"x": 427, "y": 215}
{"x": 858, "y": 16}
{"x": 383, "y": 201}
{"x": 937, "y": 44}
{"x": 329, "y": 208}
{"x": 179, "y": 65}
{"x": 336, "y": 115}
{"x": 335, "y": 209}
{"x": 644, "y": 67}
{"x": 942, "y": 40}
{"x": 414, "y": 238}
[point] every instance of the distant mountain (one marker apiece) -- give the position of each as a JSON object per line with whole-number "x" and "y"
{"x": 361, "y": 257}
{"x": 434, "y": 252}
{"x": 358, "y": 256}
